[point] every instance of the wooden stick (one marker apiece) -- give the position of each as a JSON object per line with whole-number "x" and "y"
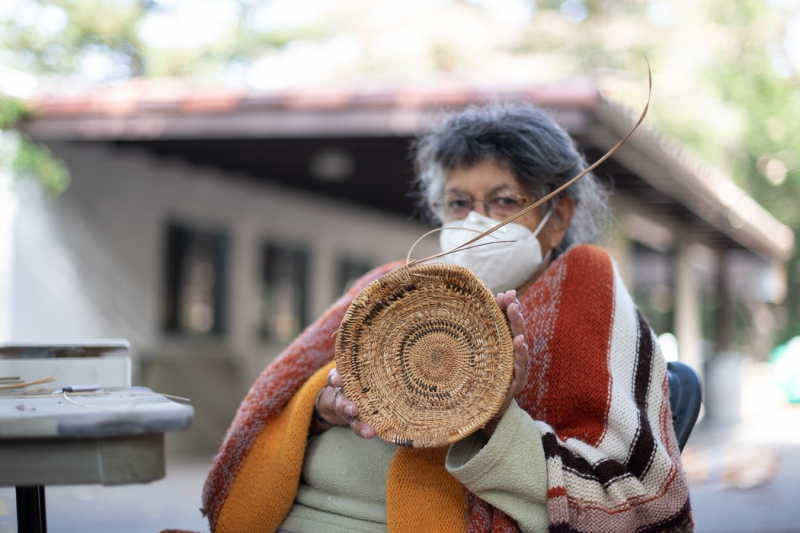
{"x": 27, "y": 383}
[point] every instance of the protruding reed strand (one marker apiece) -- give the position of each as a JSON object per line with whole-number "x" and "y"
{"x": 408, "y": 257}
{"x": 560, "y": 189}
{"x": 459, "y": 249}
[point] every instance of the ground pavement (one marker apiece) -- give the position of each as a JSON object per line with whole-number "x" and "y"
{"x": 745, "y": 478}
{"x": 171, "y": 502}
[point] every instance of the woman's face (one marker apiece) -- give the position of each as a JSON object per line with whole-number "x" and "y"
{"x": 487, "y": 181}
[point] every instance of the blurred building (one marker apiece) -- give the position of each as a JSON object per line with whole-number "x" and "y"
{"x": 209, "y": 226}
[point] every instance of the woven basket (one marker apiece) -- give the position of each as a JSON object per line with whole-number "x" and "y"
{"x": 426, "y": 354}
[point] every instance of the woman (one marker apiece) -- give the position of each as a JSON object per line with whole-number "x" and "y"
{"x": 584, "y": 440}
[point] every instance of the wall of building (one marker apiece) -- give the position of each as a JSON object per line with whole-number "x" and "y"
{"x": 92, "y": 264}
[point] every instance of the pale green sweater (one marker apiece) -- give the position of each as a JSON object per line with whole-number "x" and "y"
{"x": 343, "y": 484}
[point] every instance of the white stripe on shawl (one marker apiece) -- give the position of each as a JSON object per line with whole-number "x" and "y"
{"x": 622, "y": 414}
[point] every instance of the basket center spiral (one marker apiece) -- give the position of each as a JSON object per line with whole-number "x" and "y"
{"x": 434, "y": 360}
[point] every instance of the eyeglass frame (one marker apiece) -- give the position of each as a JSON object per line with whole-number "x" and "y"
{"x": 486, "y": 209}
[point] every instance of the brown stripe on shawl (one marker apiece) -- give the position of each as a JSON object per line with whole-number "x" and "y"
{"x": 679, "y": 523}
{"x": 643, "y": 448}
{"x": 648, "y": 515}
{"x": 644, "y": 510}
{"x": 604, "y": 472}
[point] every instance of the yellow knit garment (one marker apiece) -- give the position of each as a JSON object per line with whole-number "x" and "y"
{"x": 421, "y": 496}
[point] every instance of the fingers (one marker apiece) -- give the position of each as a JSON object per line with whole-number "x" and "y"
{"x": 521, "y": 359}
{"x": 333, "y": 402}
{"x": 520, "y": 349}
{"x": 518, "y": 382}
{"x": 346, "y": 410}
{"x": 515, "y": 319}
{"x": 334, "y": 378}
{"x": 510, "y": 305}
{"x": 521, "y": 353}
{"x": 344, "y": 407}
{"x": 504, "y": 299}
{"x": 363, "y": 430}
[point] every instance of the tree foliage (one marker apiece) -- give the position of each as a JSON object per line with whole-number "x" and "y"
{"x": 32, "y": 160}
{"x": 60, "y": 37}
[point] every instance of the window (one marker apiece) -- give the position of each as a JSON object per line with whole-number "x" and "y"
{"x": 284, "y": 289}
{"x": 349, "y": 269}
{"x": 195, "y": 281}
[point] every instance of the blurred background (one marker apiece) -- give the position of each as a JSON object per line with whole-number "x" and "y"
{"x": 205, "y": 177}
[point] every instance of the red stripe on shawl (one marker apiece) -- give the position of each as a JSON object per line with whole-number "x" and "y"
{"x": 578, "y": 398}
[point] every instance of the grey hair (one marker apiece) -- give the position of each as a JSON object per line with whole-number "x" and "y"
{"x": 526, "y": 141}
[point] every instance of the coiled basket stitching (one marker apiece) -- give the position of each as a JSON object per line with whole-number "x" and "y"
{"x": 426, "y": 354}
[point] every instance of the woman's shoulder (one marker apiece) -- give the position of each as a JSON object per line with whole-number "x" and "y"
{"x": 588, "y": 257}
{"x": 584, "y": 272}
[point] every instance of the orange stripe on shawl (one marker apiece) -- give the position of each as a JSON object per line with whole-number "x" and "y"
{"x": 583, "y": 331}
{"x": 422, "y": 496}
{"x": 267, "y": 480}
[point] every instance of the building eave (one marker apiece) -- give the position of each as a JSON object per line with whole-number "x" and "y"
{"x": 150, "y": 111}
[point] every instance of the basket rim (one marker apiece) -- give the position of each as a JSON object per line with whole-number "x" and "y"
{"x": 496, "y": 369}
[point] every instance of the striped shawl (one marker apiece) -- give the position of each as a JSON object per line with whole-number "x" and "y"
{"x": 597, "y": 390}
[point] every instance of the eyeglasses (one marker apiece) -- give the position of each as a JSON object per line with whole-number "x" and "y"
{"x": 499, "y": 205}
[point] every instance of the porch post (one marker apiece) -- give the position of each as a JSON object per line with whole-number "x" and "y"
{"x": 688, "y": 327}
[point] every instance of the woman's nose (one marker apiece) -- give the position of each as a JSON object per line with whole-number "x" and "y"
{"x": 480, "y": 207}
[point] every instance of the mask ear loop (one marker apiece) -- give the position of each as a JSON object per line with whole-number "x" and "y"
{"x": 542, "y": 223}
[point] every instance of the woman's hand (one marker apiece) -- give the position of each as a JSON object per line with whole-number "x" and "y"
{"x": 508, "y": 302}
{"x": 336, "y": 410}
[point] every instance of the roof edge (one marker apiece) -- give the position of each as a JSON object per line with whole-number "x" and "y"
{"x": 721, "y": 202}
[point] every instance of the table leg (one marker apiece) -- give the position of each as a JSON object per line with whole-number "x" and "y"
{"x": 31, "y": 515}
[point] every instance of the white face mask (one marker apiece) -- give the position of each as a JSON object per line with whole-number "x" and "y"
{"x": 501, "y": 266}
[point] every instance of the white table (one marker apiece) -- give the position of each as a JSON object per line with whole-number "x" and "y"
{"x": 113, "y": 438}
